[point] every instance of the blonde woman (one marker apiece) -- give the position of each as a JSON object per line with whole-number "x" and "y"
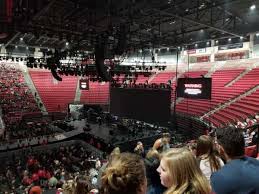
{"x": 208, "y": 161}
{"x": 180, "y": 174}
{"x": 125, "y": 174}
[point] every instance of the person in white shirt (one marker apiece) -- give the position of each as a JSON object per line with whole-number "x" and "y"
{"x": 208, "y": 161}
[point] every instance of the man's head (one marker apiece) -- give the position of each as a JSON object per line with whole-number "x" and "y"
{"x": 231, "y": 142}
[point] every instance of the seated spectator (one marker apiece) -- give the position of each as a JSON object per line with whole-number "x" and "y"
{"x": 241, "y": 173}
{"x": 152, "y": 161}
{"x": 35, "y": 190}
{"x": 83, "y": 185}
{"x": 180, "y": 173}
{"x": 208, "y": 161}
{"x": 124, "y": 174}
{"x": 162, "y": 144}
{"x": 116, "y": 152}
{"x": 139, "y": 149}
{"x": 68, "y": 187}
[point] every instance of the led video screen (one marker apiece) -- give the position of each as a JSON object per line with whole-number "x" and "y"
{"x": 197, "y": 88}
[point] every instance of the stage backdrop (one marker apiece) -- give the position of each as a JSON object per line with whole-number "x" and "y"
{"x": 150, "y": 105}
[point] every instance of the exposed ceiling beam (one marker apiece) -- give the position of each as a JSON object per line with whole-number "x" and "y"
{"x": 194, "y": 21}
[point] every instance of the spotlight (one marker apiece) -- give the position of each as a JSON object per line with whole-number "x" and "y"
{"x": 229, "y": 39}
{"x": 252, "y": 7}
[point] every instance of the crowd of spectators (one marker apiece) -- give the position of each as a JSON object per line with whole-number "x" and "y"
{"x": 205, "y": 165}
{"x": 50, "y": 169}
{"x": 15, "y": 96}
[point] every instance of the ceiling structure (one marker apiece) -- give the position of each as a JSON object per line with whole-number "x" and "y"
{"x": 124, "y": 24}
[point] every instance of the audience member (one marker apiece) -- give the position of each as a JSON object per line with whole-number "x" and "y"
{"x": 241, "y": 173}
{"x": 124, "y": 174}
{"x": 179, "y": 173}
{"x": 208, "y": 161}
{"x": 162, "y": 144}
{"x": 152, "y": 161}
{"x": 35, "y": 190}
{"x": 115, "y": 153}
{"x": 83, "y": 185}
{"x": 139, "y": 149}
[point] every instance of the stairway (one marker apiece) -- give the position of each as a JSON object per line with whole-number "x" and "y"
{"x": 34, "y": 91}
{"x": 78, "y": 92}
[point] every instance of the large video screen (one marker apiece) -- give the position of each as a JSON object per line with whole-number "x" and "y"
{"x": 142, "y": 104}
{"x": 197, "y": 88}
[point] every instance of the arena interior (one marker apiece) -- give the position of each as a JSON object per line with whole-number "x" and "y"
{"x": 79, "y": 78}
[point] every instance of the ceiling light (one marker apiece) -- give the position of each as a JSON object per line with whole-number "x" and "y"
{"x": 179, "y": 47}
{"x": 16, "y": 46}
{"x": 159, "y": 50}
{"x": 67, "y": 43}
{"x": 21, "y": 39}
{"x": 196, "y": 45}
{"x": 27, "y": 47}
{"x": 167, "y": 49}
{"x": 252, "y": 7}
{"x": 217, "y": 41}
{"x": 257, "y": 34}
{"x": 208, "y": 43}
{"x": 172, "y": 22}
{"x": 229, "y": 39}
{"x": 241, "y": 37}
{"x": 201, "y": 30}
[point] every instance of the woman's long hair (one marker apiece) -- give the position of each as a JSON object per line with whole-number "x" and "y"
{"x": 205, "y": 147}
{"x": 185, "y": 173}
